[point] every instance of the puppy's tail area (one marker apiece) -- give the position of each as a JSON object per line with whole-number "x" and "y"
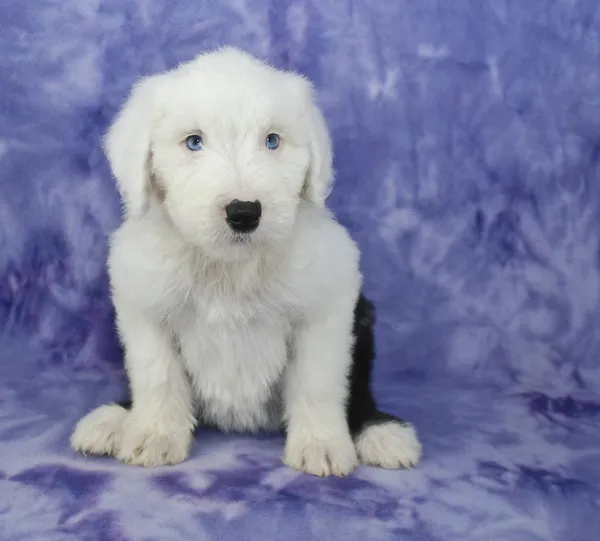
{"x": 380, "y": 439}
{"x": 100, "y": 432}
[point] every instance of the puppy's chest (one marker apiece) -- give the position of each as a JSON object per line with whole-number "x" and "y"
{"x": 235, "y": 348}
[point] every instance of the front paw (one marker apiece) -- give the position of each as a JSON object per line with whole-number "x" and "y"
{"x": 321, "y": 456}
{"x": 152, "y": 447}
{"x": 100, "y": 432}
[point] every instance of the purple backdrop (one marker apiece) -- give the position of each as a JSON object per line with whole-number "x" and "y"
{"x": 467, "y": 139}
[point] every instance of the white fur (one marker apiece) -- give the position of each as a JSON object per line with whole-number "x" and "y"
{"x": 100, "y": 432}
{"x": 389, "y": 445}
{"x": 252, "y": 333}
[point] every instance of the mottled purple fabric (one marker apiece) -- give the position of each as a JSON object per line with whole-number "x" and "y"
{"x": 467, "y": 139}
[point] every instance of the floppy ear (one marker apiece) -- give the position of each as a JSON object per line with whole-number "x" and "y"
{"x": 127, "y": 146}
{"x": 319, "y": 179}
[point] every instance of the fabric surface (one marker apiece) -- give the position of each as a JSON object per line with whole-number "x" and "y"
{"x": 467, "y": 140}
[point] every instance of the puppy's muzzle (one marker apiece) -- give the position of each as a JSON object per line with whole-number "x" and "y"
{"x": 243, "y": 216}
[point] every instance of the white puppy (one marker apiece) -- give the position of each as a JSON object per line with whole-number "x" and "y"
{"x": 237, "y": 293}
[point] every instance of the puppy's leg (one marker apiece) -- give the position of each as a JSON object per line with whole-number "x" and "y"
{"x": 158, "y": 429}
{"x": 315, "y": 394}
{"x": 381, "y": 439}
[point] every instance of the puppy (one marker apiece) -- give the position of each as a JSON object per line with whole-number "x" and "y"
{"x": 237, "y": 294}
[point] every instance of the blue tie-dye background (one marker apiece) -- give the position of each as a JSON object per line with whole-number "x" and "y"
{"x": 467, "y": 139}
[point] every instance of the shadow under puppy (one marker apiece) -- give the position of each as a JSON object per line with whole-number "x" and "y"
{"x": 237, "y": 293}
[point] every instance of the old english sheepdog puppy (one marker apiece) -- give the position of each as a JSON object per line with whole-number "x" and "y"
{"x": 237, "y": 294}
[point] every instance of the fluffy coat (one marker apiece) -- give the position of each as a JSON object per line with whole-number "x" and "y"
{"x": 246, "y": 331}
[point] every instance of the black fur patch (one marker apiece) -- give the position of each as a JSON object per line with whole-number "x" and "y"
{"x": 125, "y": 404}
{"x": 362, "y": 410}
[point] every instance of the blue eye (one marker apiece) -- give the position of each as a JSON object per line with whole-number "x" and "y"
{"x": 194, "y": 143}
{"x": 272, "y": 141}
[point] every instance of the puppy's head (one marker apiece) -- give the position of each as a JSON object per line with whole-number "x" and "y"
{"x": 228, "y": 146}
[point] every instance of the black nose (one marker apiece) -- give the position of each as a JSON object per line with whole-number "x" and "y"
{"x": 243, "y": 216}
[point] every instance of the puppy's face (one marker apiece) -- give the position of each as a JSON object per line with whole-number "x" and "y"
{"x": 233, "y": 146}
{"x": 231, "y": 151}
